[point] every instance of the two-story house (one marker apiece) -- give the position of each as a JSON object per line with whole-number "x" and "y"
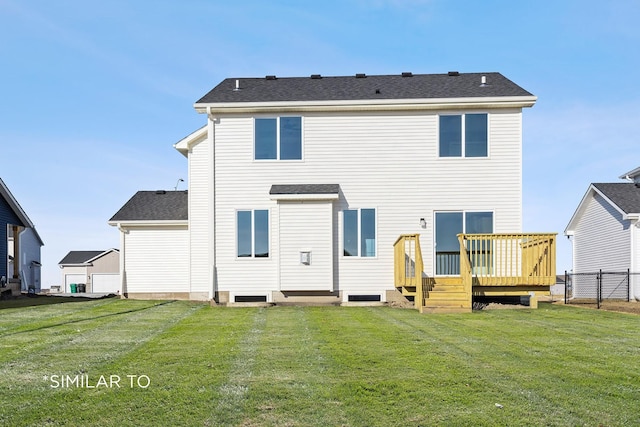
{"x": 299, "y": 187}
{"x": 20, "y": 246}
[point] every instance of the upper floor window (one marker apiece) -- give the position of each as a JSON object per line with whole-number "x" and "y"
{"x": 252, "y": 233}
{"x": 463, "y": 135}
{"x": 278, "y": 138}
{"x": 359, "y": 232}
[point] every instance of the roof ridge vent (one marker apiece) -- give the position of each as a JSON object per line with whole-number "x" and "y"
{"x": 161, "y": 191}
{"x": 316, "y": 76}
{"x": 407, "y": 74}
{"x": 271, "y": 77}
{"x": 453, "y": 73}
{"x": 360, "y": 75}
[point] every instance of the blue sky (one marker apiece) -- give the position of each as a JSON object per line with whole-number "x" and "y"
{"x": 94, "y": 94}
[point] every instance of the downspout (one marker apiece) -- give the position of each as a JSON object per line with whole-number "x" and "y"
{"x": 634, "y": 265}
{"x": 212, "y": 203}
{"x": 123, "y": 270}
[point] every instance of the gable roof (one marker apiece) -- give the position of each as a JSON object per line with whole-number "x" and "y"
{"x": 364, "y": 93}
{"x": 83, "y": 257}
{"x": 622, "y": 196}
{"x": 154, "y": 206}
{"x": 362, "y": 87}
{"x": 625, "y": 195}
{"x": 17, "y": 210}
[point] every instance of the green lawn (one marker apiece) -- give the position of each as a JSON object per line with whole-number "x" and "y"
{"x": 195, "y": 365}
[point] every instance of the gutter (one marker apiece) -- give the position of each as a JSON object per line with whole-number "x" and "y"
{"x": 368, "y": 105}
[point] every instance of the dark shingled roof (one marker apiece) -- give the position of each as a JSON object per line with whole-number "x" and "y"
{"x": 386, "y": 87}
{"x": 624, "y": 194}
{"x": 305, "y": 189}
{"x": 154, "y": 206}
{"x": 79, "y": 257}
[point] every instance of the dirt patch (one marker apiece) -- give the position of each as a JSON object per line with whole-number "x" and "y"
{"x": 632, "y": 307}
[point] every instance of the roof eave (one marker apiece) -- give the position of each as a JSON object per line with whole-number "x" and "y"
{"x": 148, "y": 223}
{"x": 368, "y": 105}
{"x": 185, "y": 143}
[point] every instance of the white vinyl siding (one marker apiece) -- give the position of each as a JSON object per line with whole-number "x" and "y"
{"x": 387, "y": 161}
{"x": 602, "y": 239}
{"x": 306, "y": 227}
{"x": 156, "y": 260}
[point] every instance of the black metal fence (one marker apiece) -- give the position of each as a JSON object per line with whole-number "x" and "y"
{"x": 599, "y": 286}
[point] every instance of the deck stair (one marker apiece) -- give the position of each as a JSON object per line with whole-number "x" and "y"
{"x": 446, "y": 296}
{"x": 490, "y": 264}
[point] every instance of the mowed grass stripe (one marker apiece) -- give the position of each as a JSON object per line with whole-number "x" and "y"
{"x": 293, "y": 381}
{"x": 300, "y": 366}
{"x": 13, "y": 320}
{"x": 79, "y": 348}
{"x": 529, "y": 368}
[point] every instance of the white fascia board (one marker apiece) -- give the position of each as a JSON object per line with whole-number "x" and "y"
{"x": 368, "y": 105}
{"x": 631, "y": 174}
{"x": 102, "y": 254}
{"x": 569, "y": 231}
{"x": 185, "y": 143}
{"x": 305, "y": 196}
{"x": 131, "y": 224}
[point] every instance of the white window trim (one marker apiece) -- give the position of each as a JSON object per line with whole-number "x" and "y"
{"x": 359, "y": 256}
{"x": 277, "y": 159}
{"x": 464, "y": 142}
{"x": 253, "y": 236}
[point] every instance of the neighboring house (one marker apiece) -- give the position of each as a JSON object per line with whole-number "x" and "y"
{"x": 299, "y": 187}
{"x": 605, "y": 230}
{"x": 19, "y": 246}
{"x": 99, "y": 271}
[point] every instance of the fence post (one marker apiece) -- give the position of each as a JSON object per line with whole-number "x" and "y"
{"x": 628, "y": 284}
{"x": 599, "y": 289}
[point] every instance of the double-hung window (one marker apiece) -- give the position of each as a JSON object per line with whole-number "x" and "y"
{"x": 464, "y": 135}
{"x": 278, "y": 138}
{"x": 359, "y": 232}
{"x": 252, "y": 233}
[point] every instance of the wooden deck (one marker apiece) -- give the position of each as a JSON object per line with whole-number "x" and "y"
{"x": 490, "y": 265}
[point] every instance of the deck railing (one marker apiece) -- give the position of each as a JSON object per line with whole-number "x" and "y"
{"x": 408, "y": 265}
{"x": 508, "y": 259}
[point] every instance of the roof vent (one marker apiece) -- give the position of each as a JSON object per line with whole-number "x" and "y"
{"x": 377, "y": 91}
{"x": 360, "y": 75}
{"x": 237, "y": 85}
{"x": 161, "y": 192}
{"x": 483, "y": 81}
{"x": 316, "y": 76}
{"x": 454, "y": 73}
{"x": 407, "y": 74}
{"x": 271, "y": 77}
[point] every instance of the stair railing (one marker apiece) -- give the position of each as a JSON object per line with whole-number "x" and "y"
{"x": 408, "y": 265}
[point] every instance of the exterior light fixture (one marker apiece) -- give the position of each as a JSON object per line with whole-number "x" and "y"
{"x": 423, "y": 223}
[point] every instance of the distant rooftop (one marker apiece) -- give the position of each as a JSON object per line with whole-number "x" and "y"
{"x": 154, "y": 206}
{"x": 363, "y": 87}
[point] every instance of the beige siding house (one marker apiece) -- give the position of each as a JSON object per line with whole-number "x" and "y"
{"x": 94, "y": 271}
{"x": 299, "y": 187}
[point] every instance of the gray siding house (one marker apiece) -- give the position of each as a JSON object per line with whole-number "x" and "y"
{"x": 605, "y": 230}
